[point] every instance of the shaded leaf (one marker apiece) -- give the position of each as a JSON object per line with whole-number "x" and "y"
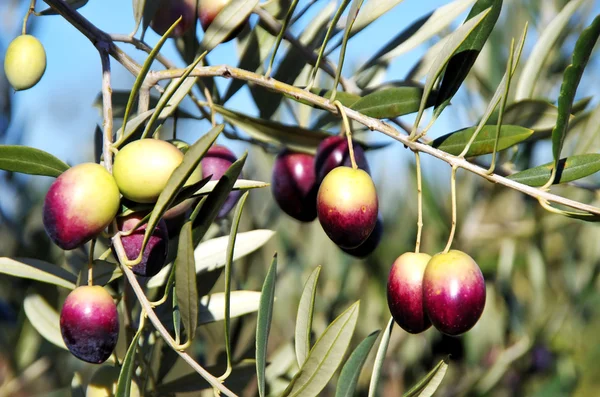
{"x": 35, "y": 269}
{"x": 534, "y": 114}
{"x": 28, "y": 160}
{"x": 185, "y": 280}
{"x": 44, "y": 319}
{"x": 325, "y": 356}
{"x": 304, "y": 317}
{"x": 227, "y": 20}
{"x": 454, "y": 142}
{"x": 572, "y": 76}
{"x": 242, "y": 373}
{"x": 380, "y": 358}
{"x": 465, "y": 56}
{"x": 568, "y": 170}
{"x": 124, "y": 383}
{"x": 346, "y": 385}
{"x": 263, "y": 325}
{"x": 429, "y": 384}
{"x": 391, "y": 102}
{"x": 211, "y": 254}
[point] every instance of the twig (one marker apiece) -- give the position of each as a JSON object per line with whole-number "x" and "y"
{"x": 107, "y": 115}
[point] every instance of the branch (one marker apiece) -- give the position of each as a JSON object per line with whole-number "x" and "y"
{"x": 106, "y": 106}
{"x": 377, "y": 125}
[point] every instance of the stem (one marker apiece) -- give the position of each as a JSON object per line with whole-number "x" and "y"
{"x": 107, "y": 114}
{"x": 91, "y": 263}
{"x": 419, "y": 203}
{"x": 453, "y": 227}
{"x": 348, "y": 132}
{"x": 30, "y": 11}
{"x": 211, "y": 106}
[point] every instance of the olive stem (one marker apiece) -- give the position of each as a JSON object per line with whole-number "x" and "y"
{"x": 453, "y": 227}
{"x": 30, "y": 11}
{"x": 91, "y": 263}
{"x": 211, "y": 106}
{"x": 348, "y": 132}
{"x": 419, "y": 202}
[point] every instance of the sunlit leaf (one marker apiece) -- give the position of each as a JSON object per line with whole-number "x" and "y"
{"x": 35, "y": 269}
{"x": 391, "y": 102}
{"x": 380, "y": 358}
{"x": 569, "y": 169}
{"x": 227, "y": 20}
{"x": 429, "y": 384}
{"x": 44, "y": 319}
{"x": 455, "y": 142}
{"x": 28, "y": 160}
{"x": 212, "y": 307}
{"x": 263, "y": 325}
{"x": 304, "y": 317}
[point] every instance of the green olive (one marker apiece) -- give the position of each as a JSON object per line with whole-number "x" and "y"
{"x": 25, "y": 62}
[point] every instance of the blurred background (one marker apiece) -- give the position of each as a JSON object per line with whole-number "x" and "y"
{"x": 538, "y": 333}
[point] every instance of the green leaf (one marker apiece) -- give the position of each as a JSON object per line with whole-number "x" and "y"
{"x": 124, "y": 383}
{"x": 325, "y": 356}
{"x": 214, "y": 201}
{"x": 534, "y": 114}
{"x": 77, "y": 389}
{"x": 284, "y": 26}
{"x": 131, "y": 128}
{"x": 139, "y": 80}
{"x": 572, "y": 76}
{"x": 104, "y": 273}
{"x": 274, "y": 133}
{"x": 454, "y": 142}
{"x": 465, "y": 56}
{"x": 346, "y": 98}
{"x": 418, "y": 33}
{"x": 44, "y": 319}
{"x": 371, "y": 12}
{"x": 346, "y": 385}
{"x": 380, "y": 358}
{"x": 391, "y": 102}
{"x": 212, "y": 307}
{"x": 304, "y": 317}
{"x": 28, "y": 160}
{"x": 228, "y": 264}
{"x": 211, "y": 254}
{"x": 544, "y": 45}
{"x": 74, "y": 4}
{"x": 568, "y": 170}
{"x": 429, "y": 384}
{"x": 451, "y": 45}
{"x": 150, "y": 9}
{"x": 185, "y": 280}
{"x": 263, "y": 325}
{"x": 38, "y": 270}
{"x": 190, "y": 162}
{"x": 227, "y": 20}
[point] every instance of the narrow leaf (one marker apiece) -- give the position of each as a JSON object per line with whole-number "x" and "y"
{"x": 572, "y": 76}
{"x": 263, "y": 325}
{"x": 538, "y": 115}
{"x": 240, "y": 184}
{"x": 465, "y": 56}
{"x": 391, "y": 102}
{"x": 284, "y": 26}
{"x": 325, "y": 356}
{"x": 190, "y": 162}
{"x": 28, "y": 160}
{"x": 429, "y": 384}
{"x": 454, "y": 142}
{"x": 44, "y": 319}
{"x": 212, "y": 307}
{"x": 231, "y": 16}
{"x": 124, "y": 383}
{"x": 185, "y": 280}
{"x": 348, "y": 379}
{"x": 38, "y": 270}
{"x": 304, "y": 317}
{"x": 370, "y": 13}
{"x": 380, "y": 358}
{"x": 569, "y": 169}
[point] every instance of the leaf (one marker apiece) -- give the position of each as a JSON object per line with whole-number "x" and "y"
{"x": 240, "y": 184}
{"x": 131, "y": 128}
{"x": 124, "y": 383}
{"x": 77, "y": 389}
{"x": 429, "y": 384}
{"x": 543, "y": 46}
{"x": 380, "y": 358}
{"x": 185, "y": 280}
{"x": 418, "y": 33}
{"x": 346, "y": 385}
{"x": 44, "y": 319}
{"x": 38, "y": 270}
{"x": 241, "y": 375}
{"x": 451, "y": 45}
{"x": 210, "y": 255}
{"x": 346, "y": 98}
{"x": 371, "y": 12}
{"x": 572, "y": 76}
{"x": 28, "y": 160}
{"x": 274, "y": 133}
{"x": 214, "y": 201}
{"x": 74, "y": 4}
{"x": 534, "y": 114}
{"x": 190, "y": 162}
{"x": 424, "y": 65}
{"x": 304, "y": 317}
{"x": 227, "y": 20}
{"x": 150, "y": 9}
{"x": 569, "y": 169}
{"x": 103, "y": 272}
{"x": 284, "y": 26}
{"x": 263, "y": 325}
{"x": 212, "y": 307}
{"x": 390, "y": 102}
{"x": 325, "y": 356}
{"x": 454, "y": 142}
{"x": 465, "y": 56}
